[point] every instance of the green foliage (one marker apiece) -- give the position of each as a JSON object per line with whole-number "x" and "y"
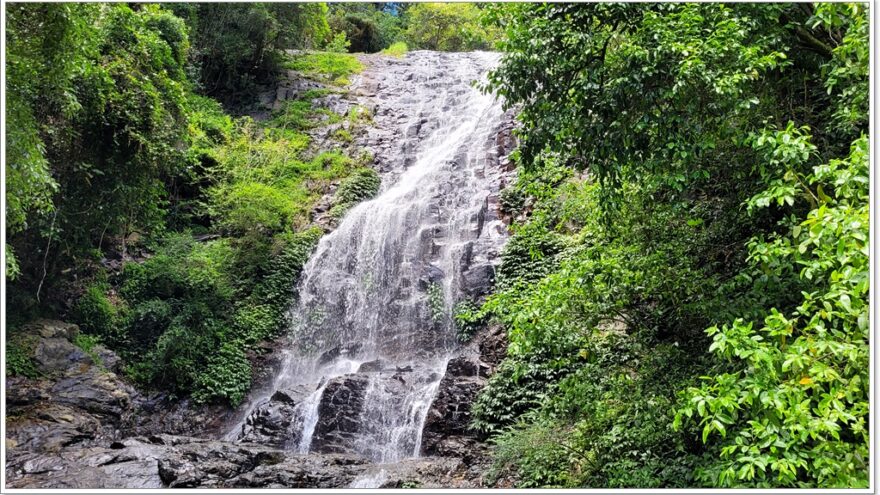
{"x": 793, "y": 411}
{"x": 397, "y": 49}
{"x": 20, "y": 355}
{"x": 697, "y": 207}
{"x": 45, "y": 48}
{"x": 369, "y": 26}
{"x": 436, "y": 302}
{"x": 447, "y": 27}
{"x": 249, "y": 206}
{"x": 528, "y": 256}
{"x": 362, "y": 32}
{"x": 276, "y": 286}
{"x": 12, "y": 270}
{"x": 96, "y": 314}
{"x": 517, "y": 387}
{"x": 606, "y": 423}
{"x": 468, "y": 320}
{"x": 339, "y": 44}
{"x": 333, "y": 68}
{"x": 683, "y": 56}
{"x": 113, "y": 155}
{"x": 236, "y": 46}
{"x": 96, "y": 109}
{"x": 361, "y": 185}
{"x": 227, "y": 376}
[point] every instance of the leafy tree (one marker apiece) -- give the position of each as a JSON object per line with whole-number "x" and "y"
{"x": 447, "y": 27}
{"x": 46, "y": 45}
{"x": 238, "y": 45}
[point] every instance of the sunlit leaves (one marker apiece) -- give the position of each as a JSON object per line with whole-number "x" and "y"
{"x": 802, "y": 387}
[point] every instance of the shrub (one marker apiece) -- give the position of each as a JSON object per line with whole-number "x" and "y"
{"x": 148, "y": 320}
{"x": 363, "y": 33}
{"x": 448, "y": 27}
{"x": 468, "y": 320}
{"x": 362, "y": 184}
{"x": 529, "y": 255}
{"x": 516, "y": 387}
{"x": 96, "y": 314}
{"x": 276, "y": 287}
{"x": 227, "y": 376}
{"x": 249, "y": 207}
{"x": 20, "y": 355}
{"x": 256, "y": 322}
{"x": 339, "y": 43}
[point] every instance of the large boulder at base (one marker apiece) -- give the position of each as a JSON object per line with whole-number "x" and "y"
{"x": 277, "y": 421}
{"x": 339, "y": 412}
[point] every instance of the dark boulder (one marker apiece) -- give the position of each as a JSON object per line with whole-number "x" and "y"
{"x": 339, "y": 412}
{"x": 276, "y": 422}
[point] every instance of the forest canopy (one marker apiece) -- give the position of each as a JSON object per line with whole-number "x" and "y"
{"x": 686, "y": 286}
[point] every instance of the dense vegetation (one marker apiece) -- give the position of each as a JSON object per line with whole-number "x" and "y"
{"x": 686, "y": 290}
{"x": 168, "y": 229}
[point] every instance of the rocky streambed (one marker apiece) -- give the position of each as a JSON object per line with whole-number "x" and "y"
{"x": 82, "y": 426}
{"x": 377, "y": 393}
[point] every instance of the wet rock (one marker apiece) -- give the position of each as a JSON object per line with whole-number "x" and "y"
{"x": 55, "y": 355}
{"x": 491, "y": 345}
{"x": 371, "y": 366}
{"x": 108, "y": 359}
{"x": 277, "y": 421}
{"x": 166, "y": 414}
{"x": 462, "y": 367}
{"x": 293, "y": 395}
{"x": 339, "y": 412}
{"x": 340, "y": 350}
{"x": 23, "y": 391}
{"x": 51, "y": 427}
{"x": 478, "y": 280}
{"x": 95, "y": 391}
{"x": 430, "y": 275}
{"x": 447, "y": 425}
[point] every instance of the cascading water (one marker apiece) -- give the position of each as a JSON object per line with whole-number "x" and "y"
{"x": 372, "y": 327}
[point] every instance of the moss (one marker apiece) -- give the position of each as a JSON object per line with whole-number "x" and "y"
{"x": 397, "y": 50}
{"x": 335, "y": 68}
{"x": 343, "y": 136}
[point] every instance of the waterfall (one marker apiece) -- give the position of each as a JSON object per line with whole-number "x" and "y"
{"x": 372, "y": 327}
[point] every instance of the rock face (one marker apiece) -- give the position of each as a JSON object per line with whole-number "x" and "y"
{"x": 276, "y": 421}
{"x": 76, "y": 402}
{"x": 166, "y": 461}
{"x": 447, "y": 432}
{"x": 338, "y": 412}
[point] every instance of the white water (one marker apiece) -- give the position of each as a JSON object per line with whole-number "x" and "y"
{"x": 383, "y": 284}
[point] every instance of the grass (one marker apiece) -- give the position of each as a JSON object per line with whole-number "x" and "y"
{"x": 397, "y": 49}
{"x": 334, "y": 68}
